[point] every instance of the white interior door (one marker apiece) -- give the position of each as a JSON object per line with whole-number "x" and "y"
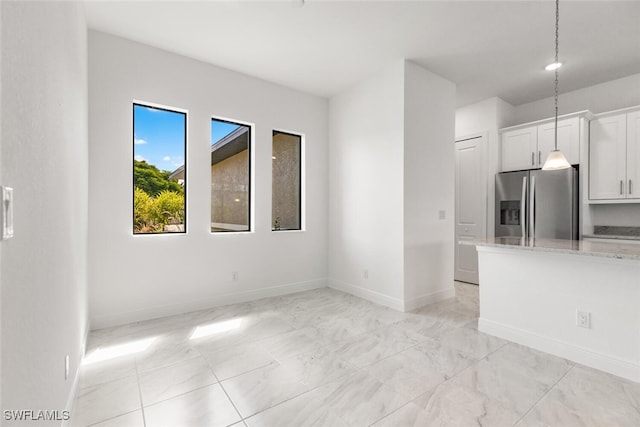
{"x": 471, "y": 206}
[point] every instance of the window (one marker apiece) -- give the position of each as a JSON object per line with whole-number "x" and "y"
{"x": 230, "y": 176}
{"x": 286, "y": 173}
{"x": 159, "y": 170}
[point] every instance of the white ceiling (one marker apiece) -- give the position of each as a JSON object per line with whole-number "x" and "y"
{"x": 487, "y": 48}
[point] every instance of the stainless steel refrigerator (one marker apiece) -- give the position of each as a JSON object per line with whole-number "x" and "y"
{"x": 537, "y": 203}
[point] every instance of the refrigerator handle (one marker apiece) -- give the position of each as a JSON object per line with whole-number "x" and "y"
{"x": 523, "y": 220}
{"x": 532, "y": 212}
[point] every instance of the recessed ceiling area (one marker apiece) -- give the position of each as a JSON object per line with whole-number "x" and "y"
{"x": 487, "y": 48}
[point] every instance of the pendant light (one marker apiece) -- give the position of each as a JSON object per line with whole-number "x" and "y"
{"x": 556, "y": 160}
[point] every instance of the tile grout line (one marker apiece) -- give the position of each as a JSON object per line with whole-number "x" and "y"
{"x": 297, "y": 395}
{"x": 180, "y": 395}
{"x": 120, "y": 414}
{"x": 221, "y": 386}
{"x": 474, "y": 362}
{"x": 322, "y": 384}
{"x": 279, "y": 403}
{"x": 544, "y": 395}
{"x": 112, "y": 418}
{"x": 144, "y": 420}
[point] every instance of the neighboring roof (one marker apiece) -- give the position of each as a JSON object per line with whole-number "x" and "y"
{"x": 230, "y": 145}
{"x": 178, "y": 173}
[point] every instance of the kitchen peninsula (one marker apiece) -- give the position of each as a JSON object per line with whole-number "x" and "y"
{"x": 577, "y": 299}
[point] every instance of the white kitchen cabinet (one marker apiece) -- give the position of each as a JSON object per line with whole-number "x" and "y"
{"x": 614, "y": 157}
{"x": 527, "y": 146}
{"x": 568, "y": 140}
{"x": 518, "y": 147}
{"x": 633, "y": 155}
{"x": 607, "y": 157}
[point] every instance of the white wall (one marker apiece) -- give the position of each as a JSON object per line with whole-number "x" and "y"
{"x": 44, "y": 158}
{"x": 429, "y": 176}
{"x": 366, "y": 188}
{"x": 391, "y": 172}
{"x": 141, "y": 277}
{"x": 484, "y": 116}
{"x": 531, "y": 297}
{"x": 623, "y": 215}
{"x": 608, "y": 96}
{"x": 1, "y": 406}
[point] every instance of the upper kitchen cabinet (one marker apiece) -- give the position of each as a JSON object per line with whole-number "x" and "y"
{"x": 518, "y": 148}
{"x": 527, "y": 146}
{"x": 633, "y": 155}
{"x": 614, "y": 157}
{"x": 568, "y": 140}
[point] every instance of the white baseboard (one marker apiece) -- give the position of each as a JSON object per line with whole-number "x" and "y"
{"x": 387, "y": 301}
{"x": 73, "y": 394}
{"x": 604, "y": 362}
{"x": 423, "y": 300}
{"x": 123, "y": 318}
{"x": 367, "y": 294}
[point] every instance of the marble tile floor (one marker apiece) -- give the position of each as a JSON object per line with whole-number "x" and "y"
{"x": 326, "y": 358}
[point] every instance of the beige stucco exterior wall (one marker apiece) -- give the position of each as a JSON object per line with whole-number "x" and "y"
{"x": 285, "y": 194}
{"x": 230, "y": 192}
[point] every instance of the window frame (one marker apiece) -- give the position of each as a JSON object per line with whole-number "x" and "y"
{"x": 250, "y": 194}
{"x": 185, "y": 113}
{"x": 301, "y": 189}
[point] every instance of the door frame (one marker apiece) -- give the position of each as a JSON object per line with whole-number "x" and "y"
{"x": 484, "y": 155}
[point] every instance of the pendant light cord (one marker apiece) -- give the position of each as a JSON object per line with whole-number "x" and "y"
{"x": 556, "y": 71}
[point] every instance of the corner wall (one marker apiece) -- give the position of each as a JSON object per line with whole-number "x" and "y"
{"x": 366, "y": 188}
{"x": 44, "y": 159}
{"x": 429, "y": 178}
{"x": 141, "y": 277}
{"x": 391, "y": 172}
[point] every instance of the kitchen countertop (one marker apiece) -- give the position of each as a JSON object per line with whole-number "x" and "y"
{"x": 616, "y": 250}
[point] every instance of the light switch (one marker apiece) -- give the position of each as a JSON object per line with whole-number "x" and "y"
{"x": 7, "y": 213}
{"x": 442, "y": 214}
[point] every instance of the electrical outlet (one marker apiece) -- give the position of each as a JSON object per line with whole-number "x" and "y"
{"x": 365, "y": 274}
{"x": 442, "y": 214}
{"x": 66, "y": 367}
{"x": 583, "y": 319}
{"x": 234, "y": 276}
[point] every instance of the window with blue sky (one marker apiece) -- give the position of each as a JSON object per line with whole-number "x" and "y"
{"x": 159, "y": 170}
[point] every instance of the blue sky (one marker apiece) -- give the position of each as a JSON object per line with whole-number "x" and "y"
{"x": 221, "y": 129}
{"x": 159, "y": 136}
